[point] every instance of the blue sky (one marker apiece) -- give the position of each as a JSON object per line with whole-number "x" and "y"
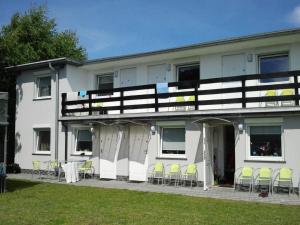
{"x": 117, "y": 27}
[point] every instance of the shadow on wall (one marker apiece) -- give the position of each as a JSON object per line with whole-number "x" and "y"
{"x": 18, "y": 145}
{"x": 109, "y": 143}
{"x": 140, "y": 140}
{"x": 19, "y": 96}
{"x": 124, "y": 146}
{"x": 199, "y": 151}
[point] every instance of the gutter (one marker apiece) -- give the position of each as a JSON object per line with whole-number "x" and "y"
{"x": 56, "y": 107}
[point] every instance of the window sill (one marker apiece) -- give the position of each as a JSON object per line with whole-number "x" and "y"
{"x": 42, "y": 153}
{"x": 264, "y": 161}
{"x": 171, "y": 158}
{"x": 82, "y": 154}
{"x": 42, "y": 98}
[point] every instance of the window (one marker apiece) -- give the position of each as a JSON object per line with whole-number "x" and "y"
{"x": 188, "y": 73}
{"x": 83, "y": 140}
{"x": 43, "y": 85}
{"x": 105, "y": 81}
{"x": 42, "y": 137}
{"x": 265, "y": 142}
{"x": 272, "y": 64}
{"x": 173, "y": 141}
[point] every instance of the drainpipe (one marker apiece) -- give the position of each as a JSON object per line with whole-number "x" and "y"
{"x": 56, "y": 107}
{"x": 205, "y": 188}
{"x": 66, "y": 140}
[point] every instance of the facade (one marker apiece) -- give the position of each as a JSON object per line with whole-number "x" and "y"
{"x": 221, "y": 105}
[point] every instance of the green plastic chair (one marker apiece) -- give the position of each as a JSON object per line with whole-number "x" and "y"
{"x": 264, "y": 178}
{"x": 174, "y": 174}
{"x": 36, "y": 168}
{"x": 244, "y": 176}
{"x": 191, "y": 174}
{"x": 86, "y": 168}
{"x": 284, "y": 179}
{"x": 271, "y": 93}
{"x": 157, "y": 173}
{"x": 287, "y": 92}
{"x": 52, "y": 166}
{"x": 180, "y": 99}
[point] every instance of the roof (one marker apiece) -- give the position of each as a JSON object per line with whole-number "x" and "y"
{"x": 45, "y": 63}
{"x": 63, "y": 61}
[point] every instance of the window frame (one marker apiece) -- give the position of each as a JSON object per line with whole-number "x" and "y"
{"x": 75, "y": 133}
{"x": 182, "y": 66}
{"x": 37, "y": 82}
{"x": 264, "y": 158}
{"x": 112, "y": 74}
{"x": 36, "y": 131}
{"x": 270, "y": 55}
{"x": 160, "y": 136}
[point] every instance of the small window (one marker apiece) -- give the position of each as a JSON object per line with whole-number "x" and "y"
{"x": 188, "y": 73}
{"x": 173, "y": 141}
{"x": 265, "y": 141}
{"x": 83, "y": 140}
{"x": 272, "y": 64}
{"x": 105, "y": 82}
{"x": 42, "y": 140}
{"x": 43, "y": 87}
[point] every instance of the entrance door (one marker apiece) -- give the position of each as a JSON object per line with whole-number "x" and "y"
{"x": 229, "y": 154}
{"x": 109, "y": 148}
{"x": 138, "y": 158}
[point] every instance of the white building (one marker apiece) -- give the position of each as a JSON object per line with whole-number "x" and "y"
{"x": 216, "y": 104}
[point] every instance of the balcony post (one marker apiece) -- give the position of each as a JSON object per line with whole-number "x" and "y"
{"x": 156, "y": 100}
{"x": 196, "y": 96}
{"x": 121, "y": 102}
{"x": 243, "y": 93}
{"x": 90, "y": 104}
{"x": 63, "y": 103}
{"x": 296, "y": 90}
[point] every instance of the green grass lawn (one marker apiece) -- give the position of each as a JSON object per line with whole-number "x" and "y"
{"x": 44, "y": 203}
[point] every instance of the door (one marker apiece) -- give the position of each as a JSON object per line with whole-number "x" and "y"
{"x": 138, "y": 158}
{"x": 128, "y": 77}
{"x": 109, "y": 148}
{"x": 157, "y": 74}
{"x": 233, "y": 65}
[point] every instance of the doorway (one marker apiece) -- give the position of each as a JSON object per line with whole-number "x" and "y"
{"x": 229, "y": 154}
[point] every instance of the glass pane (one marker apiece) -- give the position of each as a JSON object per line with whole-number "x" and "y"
{"x": 188, "y": 73}
{"x": 265, "y": 141}
{"x": 84, "y": 140}
{"x": 44, "y": 86}
{"x": 274, "y": 64}
{"x": 105, "y": 82}
{"x": 44, "y": 140}
{"x": 173, "y": 141}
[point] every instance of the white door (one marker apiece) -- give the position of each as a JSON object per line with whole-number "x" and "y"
{"x": 128, "y": 77}
{"x": 109, "y": 148}
{"x": 157, "y": 74}
{"x": 233, "y": 65}
{"x": 122, "y": 161}
{"x": 138, "y": 158}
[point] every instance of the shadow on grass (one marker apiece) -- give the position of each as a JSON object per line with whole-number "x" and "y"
{"x": 14, "y": 185}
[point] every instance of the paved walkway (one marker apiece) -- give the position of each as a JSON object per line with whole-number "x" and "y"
{"x": 214, "y": 192}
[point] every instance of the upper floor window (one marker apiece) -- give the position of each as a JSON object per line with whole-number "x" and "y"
{"x": 188, "y": 73}
{"x": 42, "y": 137}
{"x": 272, "y": 64}
{"x": 43, "y": 86}
{"x": 105, "y": 81}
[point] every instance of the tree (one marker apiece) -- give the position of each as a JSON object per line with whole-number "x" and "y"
{"x": 29, "y": 37}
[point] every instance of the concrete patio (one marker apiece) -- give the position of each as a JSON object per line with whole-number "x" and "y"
{"x": 214, "y": 192}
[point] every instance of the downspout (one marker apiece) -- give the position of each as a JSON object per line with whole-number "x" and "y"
{"x": 66, "y": 140}
{"x": 56, "y": 108}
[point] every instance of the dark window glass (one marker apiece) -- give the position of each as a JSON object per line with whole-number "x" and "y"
{"x": 272, "y": 64}
{"x": 44, "y": 86}
{"x": 84, "y": 140}
{"x": 106, "y": 82}
{"x": 188, "y": 73}
{"x": 173, "y": 141}
{"x": 265, "y": 141}
{"x": 43, "y": 140}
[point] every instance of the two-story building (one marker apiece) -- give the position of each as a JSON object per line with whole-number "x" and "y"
{"x": 221, "y": 105}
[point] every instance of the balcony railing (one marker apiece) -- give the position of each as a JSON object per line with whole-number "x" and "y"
{"x": 243, "y": 91}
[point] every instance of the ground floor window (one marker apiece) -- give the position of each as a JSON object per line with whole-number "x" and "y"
{"x": 42, "y": 140}
{"x": 173, "y": 141}
{"x": 265, "y": 142}
{"x": 83, "y": 140}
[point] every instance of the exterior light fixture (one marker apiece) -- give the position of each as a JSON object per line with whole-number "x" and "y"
{"x": 153, "y": 129}
{"x": 241, "y": 126}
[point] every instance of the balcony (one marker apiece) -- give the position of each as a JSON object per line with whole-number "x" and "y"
{"x": 238, "y": 92}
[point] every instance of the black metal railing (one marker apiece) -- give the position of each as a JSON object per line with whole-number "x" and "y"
{"x": 87, "y": 104}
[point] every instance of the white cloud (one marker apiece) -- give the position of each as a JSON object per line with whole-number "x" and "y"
{"x": 294, "y": 16}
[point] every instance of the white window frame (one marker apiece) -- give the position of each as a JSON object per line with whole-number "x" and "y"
{"x": 160, "y": 141}
{"x": 264, "y": 122}
{"x": 36, "y": 86}
{"x": 75, "y": 137}
{"x": 269, "y": 55}
{"x": 36, "y": 131}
